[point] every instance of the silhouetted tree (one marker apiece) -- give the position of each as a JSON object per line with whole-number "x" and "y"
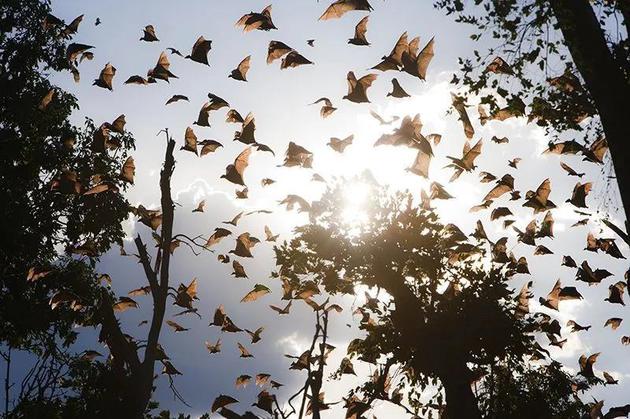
{"x": 515, "y": 390}
{"x": 568, "y": 59}
{"x": 55, "y": 225}
{"x": 134, "y": 373}
{"x": 444, "y": 307}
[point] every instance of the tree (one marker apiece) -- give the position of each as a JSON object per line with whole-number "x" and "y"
{"x": 534, "y": 38}
{"x": 123, "y": 384}
{"x": 525, "y": 391}
{"x": 136, "y": 375}
{"x": 59, "y": 192}
{"x": 127, "y": 375}
{"x": 440, "y": 308}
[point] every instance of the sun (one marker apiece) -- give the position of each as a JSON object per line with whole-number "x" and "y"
{"x": 355, "y": 197}
{"x": 356, "y": 193}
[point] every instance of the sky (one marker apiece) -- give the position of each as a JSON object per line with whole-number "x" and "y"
{"x": 280, "y": 101}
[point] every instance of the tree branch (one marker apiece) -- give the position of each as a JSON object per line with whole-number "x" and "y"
{"x": 7, "y": 381}
{"x": 146, "y": 264}
{"x": 145, "y": 375}
{"x": 604, "y": 80}
{"x": 119, "y": 346}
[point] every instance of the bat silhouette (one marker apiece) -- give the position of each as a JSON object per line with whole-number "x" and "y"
{"x": 570, "y": 170}
{"x": 240, "y": 72}
{"x": 294, "y": 59}
{"x": 580, "y": 191}
{"x": 216, "y": 236}
{"x": 260, "y": 21}
{"x": 460, "y": 107}
{"x": 234, "y": 172}
{"x": 397, "y": 90}
{"x": 357, "y": 89}
{"x": 106, "y": 77}
{"x": 149, "y": 34}
{"x": 190, "y": 141}
{"x": 539, "y": 200}
{"x": 327, "y": 108}
{"x": 467, "y": 161}
{"x": 200, "y": 50}
{"x": 297, "y": 155}
{"x": 209, "y": 146}
{"x": 340, "y": 145}
{"x": 277, "y": 50}
{"x": 359, "y": 33}
{"x": 176, "y": 98}
{"x": 341, "y": 7}
{"x": 161, "y": 71}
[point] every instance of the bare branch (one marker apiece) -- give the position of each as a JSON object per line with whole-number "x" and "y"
{"x": 146, "y": 264}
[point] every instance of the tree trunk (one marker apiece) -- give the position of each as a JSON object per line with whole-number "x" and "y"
{"x": 461, "y": 402}
{"x": 137, "y": 375}
{"x": 455, "y": 375}
{"x": 146, "y": 371}
{"x": 7, "y": 382}
{"x": 604, "y": 80}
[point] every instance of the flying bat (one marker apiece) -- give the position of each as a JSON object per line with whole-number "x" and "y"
{"x": 294, "y": 59}
{"x": 161, "y": 71}
{"x": 200, "y": 50}
{"x": 397, "y": 90}
{"x": 257, "y": 21}
{"x": 357, "y": 89}
{"x": 360, "y": 30}
{"x": 341, "y": 7}
{"x": 340, "y": 145}
{"x": 234, "y": 172}
{"x": 277, "y": 50}
{"x": 148, "y": 34}
{"x": 240, "y": 72}
{"x": 106, "y": 77}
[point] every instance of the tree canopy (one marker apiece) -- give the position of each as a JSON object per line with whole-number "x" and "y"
{"x": 49, "y": 172}
{"x": 564, "y": 65}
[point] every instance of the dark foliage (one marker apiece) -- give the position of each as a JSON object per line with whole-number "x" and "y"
{"x": 46, "y": 165}
{"x": 445, "y": 307}
{"x": 517, "y": 391}
{"x": 569, "y": 67}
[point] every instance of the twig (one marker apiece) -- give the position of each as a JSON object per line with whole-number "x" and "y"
{"x": 176, "y": 394}
{"x": 7, "y": 381}
{"x": 310, "y": 354}
{"x": 278, "y": 409}
{"x": 293, "y": 397}
{"x": 316, "y": 384}
{"x": 191, "y": 242}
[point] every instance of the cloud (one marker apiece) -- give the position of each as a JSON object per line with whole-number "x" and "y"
{"x": 293, "y": 344}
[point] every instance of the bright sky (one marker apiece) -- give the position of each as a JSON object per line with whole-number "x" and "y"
{"x": 280, "y": 102}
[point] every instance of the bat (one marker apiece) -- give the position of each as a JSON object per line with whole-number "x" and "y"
{"x": 149, "y": 34}
{"x": 360, "y": 30}
{"x": 240, "y": 72}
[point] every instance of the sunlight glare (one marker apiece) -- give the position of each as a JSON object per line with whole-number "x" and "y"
{"x": 356, "y": 193}
{"x": 355, "y": 197}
